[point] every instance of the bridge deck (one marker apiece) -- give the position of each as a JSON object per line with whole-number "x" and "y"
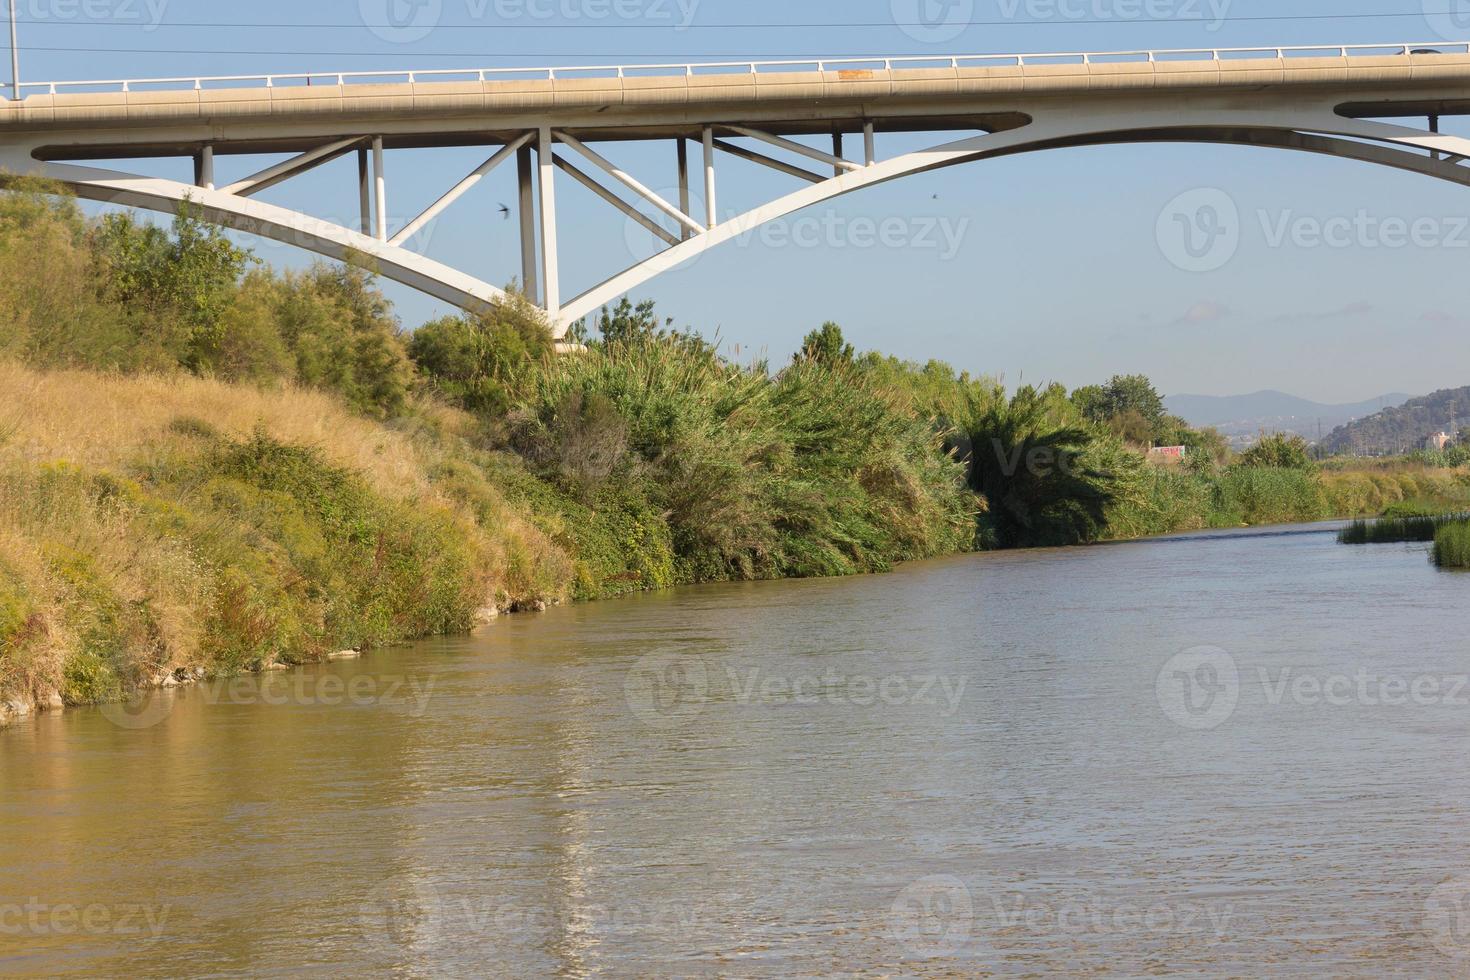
{"x": 631, "y": 106}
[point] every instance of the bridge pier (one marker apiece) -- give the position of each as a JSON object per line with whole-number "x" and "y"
{"x": 526, "y": 183}
{"x": 550, "y": 270}
{"x": 380, "y": 179}
{"x": 364, "y": 190}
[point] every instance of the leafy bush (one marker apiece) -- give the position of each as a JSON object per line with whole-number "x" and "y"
{"x": 482, "y": 362}
{"x": 814, "y": 471}
{"x": 1391, "y": 530}
{"x": 1452, "y": 545}
{"x": 1279, "y": 451}
{"x": 1268, "y": 495}
{"x": 1038, "y": 467}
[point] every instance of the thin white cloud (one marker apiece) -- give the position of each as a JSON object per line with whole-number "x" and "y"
{"x": 1204, "y": 312}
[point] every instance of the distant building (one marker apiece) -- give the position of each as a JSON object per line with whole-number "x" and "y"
{"x": 1171, "y": 452}
{"x": 1438, "y": 441}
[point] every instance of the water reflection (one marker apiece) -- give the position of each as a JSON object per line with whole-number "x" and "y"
{"x": 970, "y": 766}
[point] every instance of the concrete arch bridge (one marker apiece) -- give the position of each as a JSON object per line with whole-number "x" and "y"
{"x": 1376, "y": 104}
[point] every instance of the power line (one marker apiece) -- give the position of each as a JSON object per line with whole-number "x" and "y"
{"x": 610, "y": 24}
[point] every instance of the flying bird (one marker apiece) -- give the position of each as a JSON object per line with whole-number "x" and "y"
{"x": 505, "y": 212}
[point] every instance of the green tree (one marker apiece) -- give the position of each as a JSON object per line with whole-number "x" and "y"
{"x": 51, "y": 312}
{"x": 1031, "y": 462}
{"x": 1129, "y": 404}
{"x": 826, "y": 345}
{"x": 1279, "y": 451}
{"x": 629, "y": 324}
{"x": 341, "y": 334}
{"x": 482, "y": 362}
{"x": 185, "y": 279}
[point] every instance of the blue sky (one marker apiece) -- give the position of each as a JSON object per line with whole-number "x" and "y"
{"x": 1040, "y": 267}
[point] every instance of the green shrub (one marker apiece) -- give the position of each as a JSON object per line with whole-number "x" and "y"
{"x": 1259, "y": 495}
{"x": 1391, "y": 530}
{"x": 1279, "y": 451}
{"x": 1452, "y": 545}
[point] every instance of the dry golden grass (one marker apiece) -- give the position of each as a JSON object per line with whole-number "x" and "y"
{"x": 61, "y": 547}
{"x": 98, "y": 420}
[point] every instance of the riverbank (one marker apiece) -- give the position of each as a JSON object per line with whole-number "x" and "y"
{"x": 160, "y": 529}
{"x": 209, "y": 468}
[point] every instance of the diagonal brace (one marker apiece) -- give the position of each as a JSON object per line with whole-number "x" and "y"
{"x": 458, "y": 191}
{"x": 271, "y": 176}
{"x": 586, "y": 181}
{"x": 765, "y": 161}
{"x": 632, "y": 183}
{"x": 795, "y": 147}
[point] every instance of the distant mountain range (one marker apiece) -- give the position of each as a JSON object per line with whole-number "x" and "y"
{"x": 1243, "y": 417}
{"x": 1405, "y": 427}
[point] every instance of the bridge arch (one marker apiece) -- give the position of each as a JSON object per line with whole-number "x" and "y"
{"x": 1316, "y": 104}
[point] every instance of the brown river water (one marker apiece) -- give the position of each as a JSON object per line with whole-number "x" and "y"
{"x": 1225, "y": 755}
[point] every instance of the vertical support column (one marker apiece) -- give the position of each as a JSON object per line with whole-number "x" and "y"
{"x": 526, "y": 174}
{"x": 14, "y": 54}
{"x": 684, "y": 232}
{"x": 837, "y": 152}
{"x": 204, "y": 168}
{"x": 868, "y": 144}
{"x": 364, "y": 190}
{"x": 712, "y": 216}
{"x": 381, "y": 180}
{"x": 550, "y": 274}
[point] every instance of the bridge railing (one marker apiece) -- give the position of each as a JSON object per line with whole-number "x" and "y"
{"x": 818, "y": 65}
